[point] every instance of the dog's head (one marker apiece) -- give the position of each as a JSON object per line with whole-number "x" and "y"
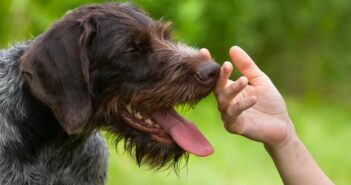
{"x": 111, "y": 66}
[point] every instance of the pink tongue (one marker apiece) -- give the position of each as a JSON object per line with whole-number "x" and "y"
{"x": 184, "y": 133}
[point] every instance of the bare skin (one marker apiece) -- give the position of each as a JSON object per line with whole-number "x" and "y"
{"x": 252, "y": 107}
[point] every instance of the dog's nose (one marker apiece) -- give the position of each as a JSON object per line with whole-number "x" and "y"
{"x": 207, "y": 73}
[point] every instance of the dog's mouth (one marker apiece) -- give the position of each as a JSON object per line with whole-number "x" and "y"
{"x": 168, "y": 127}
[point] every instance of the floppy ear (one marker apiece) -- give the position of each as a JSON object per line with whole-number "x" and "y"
{"x": 56, "y": 68}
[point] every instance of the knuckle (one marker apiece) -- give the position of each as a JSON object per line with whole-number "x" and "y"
{"x": 221, "y": 98}
{"x": 232, "y": 128}
{"x": 224, "y": 118}
{"x": 220, "y": 107}
{"x": 230, "y": 111}
{"x": 237, "y": 86}
{"x": 234, "y": 87}
{"x": 238, "y": 105}
{"x": 228, "y": 127}
{"x": 238, "y": 83}
{"x": 241, "y": 83}
{"x": 236, "y": 127}
{"x": 216, "y": 92}
{"x": 240, "y": 132}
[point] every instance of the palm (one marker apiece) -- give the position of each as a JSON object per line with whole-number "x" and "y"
{"x": 263, "y": 120}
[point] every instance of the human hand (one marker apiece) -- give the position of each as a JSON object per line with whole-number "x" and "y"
{"x": 251, "y": 106}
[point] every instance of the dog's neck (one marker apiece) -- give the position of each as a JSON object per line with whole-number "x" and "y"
{"x": 32, "y": 124}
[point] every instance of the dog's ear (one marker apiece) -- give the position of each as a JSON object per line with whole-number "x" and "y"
{"x": 56, "y": 68}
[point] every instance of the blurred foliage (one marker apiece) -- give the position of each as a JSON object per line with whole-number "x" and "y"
{"x": 303, "y": 45}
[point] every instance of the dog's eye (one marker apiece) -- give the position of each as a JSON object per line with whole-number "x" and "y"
{"x": 137, "y": 46}
{"x": 131, "y": 50}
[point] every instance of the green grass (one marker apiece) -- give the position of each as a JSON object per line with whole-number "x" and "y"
{"x": 324, "y": 128}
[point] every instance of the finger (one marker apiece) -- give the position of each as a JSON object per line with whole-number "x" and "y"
{"x": 204, "y": 52}
{"x": 235, "y": 109}
{"x": 224, "y": 75}
{"x": 246, "y": 65}
{"x": 225, "y": 96}
{"x": 233, "y": 89}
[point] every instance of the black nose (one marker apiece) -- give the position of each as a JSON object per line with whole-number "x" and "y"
{"x": 207, "y": 73}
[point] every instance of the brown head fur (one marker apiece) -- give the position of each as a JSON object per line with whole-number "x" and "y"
{"x": 97, "y": 59}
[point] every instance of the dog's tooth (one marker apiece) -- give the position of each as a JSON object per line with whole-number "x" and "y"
{"x": 138, "y": 115}
{"x": 148, "y": 121}
{"x": 129, "y": 108}
{"x": 157, "y": 126}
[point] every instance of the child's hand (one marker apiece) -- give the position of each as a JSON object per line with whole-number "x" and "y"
{"x": 251, "y": 106}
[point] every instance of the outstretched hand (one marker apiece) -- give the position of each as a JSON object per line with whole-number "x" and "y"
{"x": 251, "y": 106}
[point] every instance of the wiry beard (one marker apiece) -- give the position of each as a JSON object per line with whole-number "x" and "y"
{"x": 141, "y": 145}
{"x": 146, "y": 150}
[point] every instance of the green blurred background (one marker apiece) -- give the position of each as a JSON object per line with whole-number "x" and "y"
{"x": 303, "y": 45}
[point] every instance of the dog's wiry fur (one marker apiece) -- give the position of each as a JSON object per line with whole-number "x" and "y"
{"x": 56, "y": 162}
{"x": 59, "y": 89}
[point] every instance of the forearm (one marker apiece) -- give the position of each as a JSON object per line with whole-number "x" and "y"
{"x": 296, "y": 166}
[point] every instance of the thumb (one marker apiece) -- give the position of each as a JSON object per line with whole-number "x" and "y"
{"x": 247, "y": 66}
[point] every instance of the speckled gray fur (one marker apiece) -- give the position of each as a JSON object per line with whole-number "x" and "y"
{"x": 85, "y": 164}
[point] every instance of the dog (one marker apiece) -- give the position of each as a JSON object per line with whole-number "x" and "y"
{"x": 101, "y": 67}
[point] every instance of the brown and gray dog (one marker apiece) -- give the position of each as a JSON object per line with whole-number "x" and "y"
{"x": 101, "y": 67}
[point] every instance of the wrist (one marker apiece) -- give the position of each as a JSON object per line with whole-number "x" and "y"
{"x": 288, "y": 145}
{"x": 290, "y": 139}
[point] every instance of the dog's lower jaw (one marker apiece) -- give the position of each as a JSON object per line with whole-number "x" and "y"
{"x": 147, "y": 125}
{"x": 143, "y": 147}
